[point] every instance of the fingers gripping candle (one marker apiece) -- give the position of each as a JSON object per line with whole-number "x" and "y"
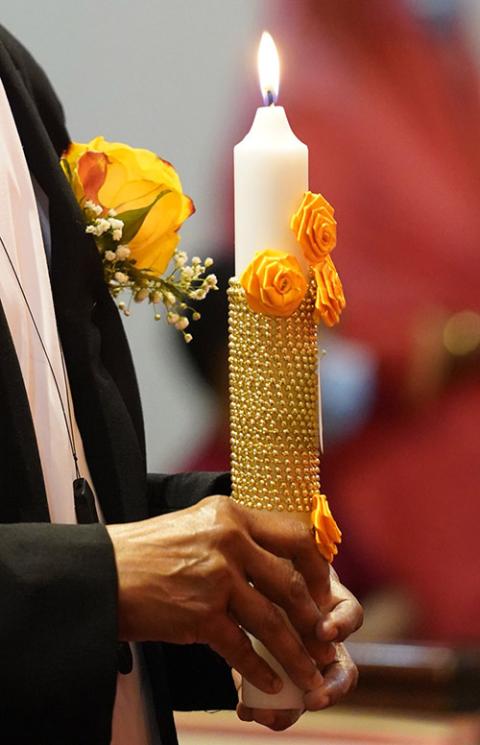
{"x": 274, "y": 410}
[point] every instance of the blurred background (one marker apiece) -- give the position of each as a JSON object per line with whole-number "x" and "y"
{"x": 386, "y": 95}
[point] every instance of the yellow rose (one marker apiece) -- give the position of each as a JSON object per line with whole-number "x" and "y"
{"x": 327, "y": 533}
{"x": 315, "y": 227}
{"x": 274, "y": 283}
{"x": 129, "y": 180}
{"x": 329, "y": 300}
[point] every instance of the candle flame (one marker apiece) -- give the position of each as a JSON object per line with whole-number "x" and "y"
{"x": 268, "y": 69}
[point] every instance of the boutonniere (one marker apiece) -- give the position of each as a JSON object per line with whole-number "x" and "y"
{"x": 134, "y": 206}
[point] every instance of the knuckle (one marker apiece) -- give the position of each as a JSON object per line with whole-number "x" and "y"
{"x": 273, "y": 619}
{"x": 242, "y": 654}
{"x": 221, "y": 573}
{"x": 220, "y": 501}
{"x": 218, "y": 504}
{"x": 244, "y": 647}
{"x": 225, "y": 535}
{"x": 305, "y": 665}
{"x": 303, "y": 538}
{"x": 223, "y": 508}
{"x": 227, "y": 531}
{"x": 298, "y": 587}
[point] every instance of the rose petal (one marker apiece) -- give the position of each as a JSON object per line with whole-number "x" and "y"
{"x": 92, "y": 171}
{"x": 314, "y": 227}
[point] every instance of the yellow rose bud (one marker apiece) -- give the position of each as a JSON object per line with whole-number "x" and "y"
{"x": 330, "y": 300}
{"x": 274, "y": 283}
{"x": 124, "y": 179}
{"x": 315, "y": 227}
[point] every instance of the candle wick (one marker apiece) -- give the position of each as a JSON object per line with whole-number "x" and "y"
{"x": 270, "y": 99}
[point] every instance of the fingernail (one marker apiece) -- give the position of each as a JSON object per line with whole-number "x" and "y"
{"x": 317, "y": 700}
{"x": 323, "y": 702}
{"x": 327, "y": 631}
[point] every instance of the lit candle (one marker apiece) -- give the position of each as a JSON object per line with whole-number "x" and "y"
{"x": 271, "y": 176}
{"x": 270, "y": 172}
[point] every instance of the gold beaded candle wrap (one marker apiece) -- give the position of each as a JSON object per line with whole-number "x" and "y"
{"x": 274, "y": 406}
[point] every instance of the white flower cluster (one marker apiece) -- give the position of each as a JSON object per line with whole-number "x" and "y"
{"x": 186, "y": 282}
{"x": 122, "y": 253}
{"x": 90, "y": 206}
{"x": 180, "y": 323}
{"x": 101, "y": 225}
{"x": 190, "y": 277}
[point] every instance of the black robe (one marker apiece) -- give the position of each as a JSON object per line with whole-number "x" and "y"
{"x": 58, "y": 584}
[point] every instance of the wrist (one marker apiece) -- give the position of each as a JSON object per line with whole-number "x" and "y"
{"x": 125, "y": 603}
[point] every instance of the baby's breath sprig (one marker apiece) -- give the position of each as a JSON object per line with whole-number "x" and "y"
{"x": 186, "y": 282}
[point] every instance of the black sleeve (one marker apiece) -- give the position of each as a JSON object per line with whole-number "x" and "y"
{"x": 58, "y": 633}
{"x": 192, "y": 676}
{"x": 172, "y": 492}
{"x": 198, "y": 679}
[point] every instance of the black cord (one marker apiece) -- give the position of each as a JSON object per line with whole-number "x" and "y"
{"x": 70, "y": 432}
{"x": 85, "y": 508}
{"x": 70, "y": 417}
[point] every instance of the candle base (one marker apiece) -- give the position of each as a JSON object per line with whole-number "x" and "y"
{"x": 290, "y": 697}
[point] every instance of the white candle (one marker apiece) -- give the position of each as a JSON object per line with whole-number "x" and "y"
{"x": 270, "y": 174}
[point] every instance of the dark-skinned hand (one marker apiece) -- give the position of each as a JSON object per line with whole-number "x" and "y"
{"x": 206, "y": 573}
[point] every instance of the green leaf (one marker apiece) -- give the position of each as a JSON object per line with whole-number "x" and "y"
{"x": 67, "y": 169}
{"x": 133, "y": 219}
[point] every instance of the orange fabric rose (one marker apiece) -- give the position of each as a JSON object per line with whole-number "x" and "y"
{"x": 327, "y": 532}
{"x": 315, "y": 227}
{"x": 330, "y": 300}
{"x": 274, "y": 283}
